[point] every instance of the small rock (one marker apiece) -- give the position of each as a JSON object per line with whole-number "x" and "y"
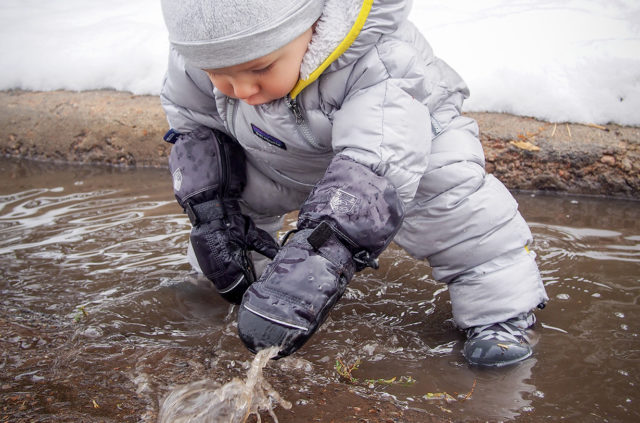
{"x": 626, "y": 165}
{"x": 608, "y": 160}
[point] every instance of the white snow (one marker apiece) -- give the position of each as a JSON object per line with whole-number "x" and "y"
{"x": 557, "y": 60}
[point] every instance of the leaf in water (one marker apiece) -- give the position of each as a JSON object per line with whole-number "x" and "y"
{"x": 381, "y": 381}
{"x": 439, "y": 396}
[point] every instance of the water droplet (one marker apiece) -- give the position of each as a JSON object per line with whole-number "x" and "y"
{"x": 92, "y": 332}
{"x": 619, "y": 314}
{"x": 562, "y": 296}
{"x": 369, "y": 348}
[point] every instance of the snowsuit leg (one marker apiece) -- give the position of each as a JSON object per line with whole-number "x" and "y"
{"x": 467, "y": 224}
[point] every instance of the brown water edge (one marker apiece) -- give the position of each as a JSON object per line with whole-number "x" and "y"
{"x": 116, "y": 247}
{"x": 117, "y": 128}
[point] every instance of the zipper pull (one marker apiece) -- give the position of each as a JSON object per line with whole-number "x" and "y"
{"x": 292, "y": 104}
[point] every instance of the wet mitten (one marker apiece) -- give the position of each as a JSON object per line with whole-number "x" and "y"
{"x": 350, "y": 217}
{"x": 208, "y": 169}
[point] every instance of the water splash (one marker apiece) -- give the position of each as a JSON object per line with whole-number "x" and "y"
{"x": 206, "y": 401}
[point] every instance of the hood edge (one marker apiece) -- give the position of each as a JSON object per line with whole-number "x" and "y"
{"x": 343, "y": 46}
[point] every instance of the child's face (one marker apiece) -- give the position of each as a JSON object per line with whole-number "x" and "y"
{"x": 264, "y": 79}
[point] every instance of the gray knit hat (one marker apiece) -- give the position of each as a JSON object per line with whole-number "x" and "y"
{"x": 213, "y": 34}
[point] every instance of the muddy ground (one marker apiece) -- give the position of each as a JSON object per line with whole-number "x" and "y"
{"x": 117, "y": 128}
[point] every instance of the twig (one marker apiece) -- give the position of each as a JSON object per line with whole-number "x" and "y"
{"x": 593, "y": 125}
{"x": 555, "y": 126}
{"x": 466, "y": 397}
{"x": 569, "y": 131}
{"x": 345, "y": 371}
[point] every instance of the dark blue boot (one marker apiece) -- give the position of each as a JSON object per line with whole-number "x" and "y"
{"x": 499, "y": 344}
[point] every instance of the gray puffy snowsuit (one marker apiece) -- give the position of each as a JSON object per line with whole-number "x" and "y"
{"x": 388, "y": 103}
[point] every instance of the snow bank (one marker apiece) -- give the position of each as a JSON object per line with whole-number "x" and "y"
{"x": 557, "y": 60}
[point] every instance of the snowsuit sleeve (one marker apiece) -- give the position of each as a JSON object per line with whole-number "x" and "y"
{"x": 382, "y": 124}
{"x": 187, "y": 97}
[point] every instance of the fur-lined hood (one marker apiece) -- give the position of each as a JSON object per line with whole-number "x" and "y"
{"x": 346, "y": 30}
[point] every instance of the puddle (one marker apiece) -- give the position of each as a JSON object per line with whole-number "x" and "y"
{"x": 101, "y": 319}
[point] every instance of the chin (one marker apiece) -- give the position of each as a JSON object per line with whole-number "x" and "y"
{"x": 252, "y": 102}
{"x": 258, "y": 100}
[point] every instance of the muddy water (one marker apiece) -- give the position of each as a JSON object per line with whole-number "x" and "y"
{"x": 100, "y": 317}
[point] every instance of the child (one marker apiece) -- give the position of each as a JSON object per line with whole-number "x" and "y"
{"x": 337, "y": 108}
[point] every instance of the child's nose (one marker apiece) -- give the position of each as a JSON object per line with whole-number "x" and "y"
{"x": 244, "y": 88}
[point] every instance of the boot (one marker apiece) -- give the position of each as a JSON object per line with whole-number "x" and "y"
{"x": 499, "y": 344}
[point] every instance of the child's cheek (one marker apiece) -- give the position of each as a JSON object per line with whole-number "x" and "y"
{"x": 224, "y": 87}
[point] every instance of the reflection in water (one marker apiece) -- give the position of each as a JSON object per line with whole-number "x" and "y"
{"x": 101, "y": 315}
{"x": 503, "y": 393}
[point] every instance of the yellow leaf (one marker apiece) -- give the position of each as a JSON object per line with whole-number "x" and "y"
{"x": 95, "y": 404}
{"x": 525, "y": 145}
{"x": 439, "y": 396}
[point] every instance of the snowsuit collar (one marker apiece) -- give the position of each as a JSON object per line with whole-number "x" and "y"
{"x": 345, "y": 31}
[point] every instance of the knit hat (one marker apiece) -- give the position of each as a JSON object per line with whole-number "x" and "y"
{"x": 213, "y": 34}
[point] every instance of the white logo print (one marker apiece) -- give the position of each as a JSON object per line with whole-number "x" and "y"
{"x": 342, "y": 202}
{"x": 177, "y": 179}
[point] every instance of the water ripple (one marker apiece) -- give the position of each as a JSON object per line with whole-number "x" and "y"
{"x": 557, "y": 243}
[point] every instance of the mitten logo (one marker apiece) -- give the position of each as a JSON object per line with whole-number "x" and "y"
{"x": 342, "y": 202}
{"x": 177, "y": 180}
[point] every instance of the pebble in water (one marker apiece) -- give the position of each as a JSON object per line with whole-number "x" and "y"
{"x": 206, "y": 401}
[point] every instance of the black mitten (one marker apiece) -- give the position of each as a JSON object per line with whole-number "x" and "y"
{"x": 350, "y": 217}
{"x": 208, "y": 169}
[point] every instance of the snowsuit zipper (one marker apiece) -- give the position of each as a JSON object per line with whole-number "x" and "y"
{"x": 231, "y": 108}
{"x": 303, "y": 126}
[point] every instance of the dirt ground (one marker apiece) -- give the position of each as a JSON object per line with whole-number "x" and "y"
{"x": 118, "y": 128}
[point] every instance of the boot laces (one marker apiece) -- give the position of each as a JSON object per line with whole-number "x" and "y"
{"x": 512, "y": 330}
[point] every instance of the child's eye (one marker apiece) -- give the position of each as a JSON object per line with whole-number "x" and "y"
{"x": 263, "y": 70}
